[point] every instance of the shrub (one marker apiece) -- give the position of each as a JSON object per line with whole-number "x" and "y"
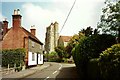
{"x": 52, "y": 57}
{"x": 89, "y": 48}
{"x": 110, "y": 63}
{"x": 13, "y": 56}
{"x": 60, "y": 51}
{"x": 93, "y": 70}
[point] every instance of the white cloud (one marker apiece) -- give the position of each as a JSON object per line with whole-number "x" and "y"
{"x": 85, "y": 13}
{"x": 41, "y": 18}
{"x": 2, "y": 17}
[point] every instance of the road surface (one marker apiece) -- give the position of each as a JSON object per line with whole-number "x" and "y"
{"x": 57, "y": 71}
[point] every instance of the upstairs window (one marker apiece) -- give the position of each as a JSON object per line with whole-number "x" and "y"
{"x": 33, "y": 44}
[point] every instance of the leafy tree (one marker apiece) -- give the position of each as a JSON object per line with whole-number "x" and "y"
{"x": 76, "y": 38}
{"x": 60, "y": 50}
{"x": 89, "y": 31}
{"x": 74, "y": 41}
{"x": 110, "y": 19}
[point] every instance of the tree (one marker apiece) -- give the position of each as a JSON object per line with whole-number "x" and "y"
{"x": 88, "y": 31}
{"x": 110, "y": 19}
{"x": 77, "y": 37}
{"x": 60, "y": 51}
{"x": 74, "y": 41}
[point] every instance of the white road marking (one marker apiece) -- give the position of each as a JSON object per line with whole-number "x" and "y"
{"x": 46, "y": 78}
{"x": 54, "y": 72}
{"x": 60, "y": 66}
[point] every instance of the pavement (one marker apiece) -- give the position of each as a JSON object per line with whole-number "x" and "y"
{"x": 26, "y": 72}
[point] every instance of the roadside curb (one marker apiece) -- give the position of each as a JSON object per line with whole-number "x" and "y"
{"x": 34, "y": 71}
{"x": 23, "y": 73}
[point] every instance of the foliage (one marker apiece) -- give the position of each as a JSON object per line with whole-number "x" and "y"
{"x": 93, "y": 69}
{"x": 110, "y": 19}
{"x": 75, "y": 39}
{"x": 110, "y": 63}
{"x": 89, "y": 31}
{"x": 89, "y": 48}
{"x": 60, "y": 51}
{"x": 13, "y": 56}
{"x": 52, "y": 57}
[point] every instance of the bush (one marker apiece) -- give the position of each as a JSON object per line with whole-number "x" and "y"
{"x": 60, "y": 50}
{"x": 93, "y": 69}
{"x": 89, "y": 48}
{"x": 110, "y": 63}
{"x": 13, "y": 56}
{"x": 52, "y": 57}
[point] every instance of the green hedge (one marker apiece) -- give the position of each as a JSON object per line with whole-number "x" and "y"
{"x": 109, "y": 63}
{"x": 13, "y": 56}
{"x": 93, "y": 69}
{"x": 90, "y": 48}
{"x": 52, "y": 57}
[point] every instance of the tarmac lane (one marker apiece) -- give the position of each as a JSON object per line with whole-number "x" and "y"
{"x": 57, "y": 71}
{"x": 48, "y": 73}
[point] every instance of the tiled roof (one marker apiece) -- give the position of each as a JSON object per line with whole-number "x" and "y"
{"x": 65, "y": 38}
{"x": 31, "y": 35}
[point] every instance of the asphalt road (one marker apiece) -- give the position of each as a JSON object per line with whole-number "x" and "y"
{"x": 57, "y": 71}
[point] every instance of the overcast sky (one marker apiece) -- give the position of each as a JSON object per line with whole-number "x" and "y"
{"x": 42, "y": 13}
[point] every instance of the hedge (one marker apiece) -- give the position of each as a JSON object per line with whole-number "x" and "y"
{"x": 109, "y": 62}
{"x": 13, "y": 56}
{"x": 90, "y": 48}
{"x": 93, "y": 69}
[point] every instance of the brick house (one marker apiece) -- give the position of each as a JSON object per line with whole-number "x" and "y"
{"x": 19, "y": 37}
{"x": 63, "y": 40}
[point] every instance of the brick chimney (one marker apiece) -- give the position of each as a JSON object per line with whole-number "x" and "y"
{"x": 33, "y": 30}
{"x": 16, "y": 17}
{"x": 5, "y": 26}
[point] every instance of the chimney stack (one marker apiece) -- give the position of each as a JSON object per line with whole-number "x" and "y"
{"x": 5, "y": 26}
{"x": 16, "y": 19}
{"x": 33, "y": 30}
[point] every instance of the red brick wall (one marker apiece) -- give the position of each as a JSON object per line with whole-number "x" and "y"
{"x": 15, "y": 38}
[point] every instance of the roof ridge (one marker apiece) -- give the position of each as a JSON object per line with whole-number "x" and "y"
{"x": 31, "y": 35}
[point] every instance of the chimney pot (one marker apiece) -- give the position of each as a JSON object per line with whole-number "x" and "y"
{"x": 18, "y": 11}
{"x": 16, "y": 19}
{"x": 5, "y": 26}
{"x": 15, "y": 12}
{"x": 33, "y": 30}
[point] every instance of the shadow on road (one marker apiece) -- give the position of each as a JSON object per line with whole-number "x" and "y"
{"x": 68, "y": 73}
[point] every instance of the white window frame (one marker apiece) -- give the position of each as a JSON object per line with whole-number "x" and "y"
{"x": 40, "y": 57}
{"x": 33, "y": 56}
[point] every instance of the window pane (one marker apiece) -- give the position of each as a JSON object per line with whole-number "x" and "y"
{"x": 33, "y": 56}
